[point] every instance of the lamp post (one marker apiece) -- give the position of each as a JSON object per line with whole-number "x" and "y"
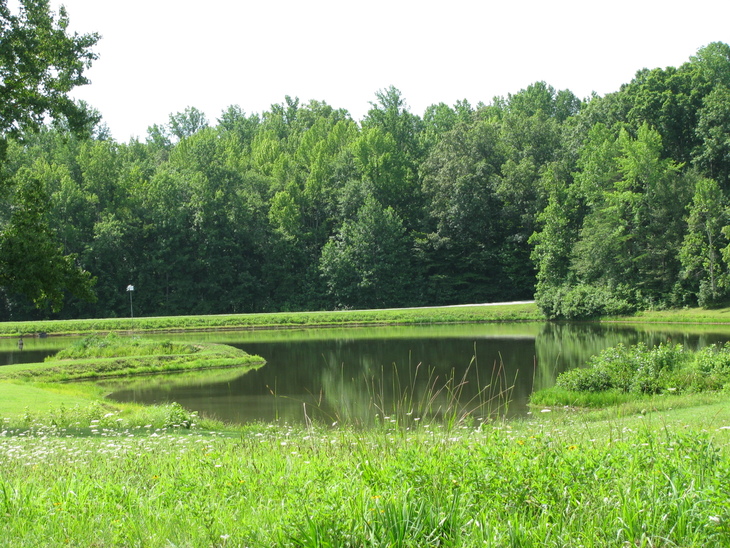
{"x": 130, "y": 290}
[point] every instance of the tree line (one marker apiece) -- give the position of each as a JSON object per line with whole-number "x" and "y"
{"x": 599, "y": 205}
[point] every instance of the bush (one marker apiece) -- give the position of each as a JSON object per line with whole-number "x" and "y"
{"x": 635, "y": 369}
{"x": 655, "y": 368}
{"x": 580, "y": 302}
{"x": 585, "y": 380}
{"x": 713, "y": 359}
{"x": 178, "y": 416}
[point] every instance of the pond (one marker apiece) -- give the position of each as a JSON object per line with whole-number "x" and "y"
{"x": 365, "y": 374}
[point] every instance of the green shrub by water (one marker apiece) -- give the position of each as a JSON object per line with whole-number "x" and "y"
{"x": 580, "y": 302}
{"x": 620, "y": 373}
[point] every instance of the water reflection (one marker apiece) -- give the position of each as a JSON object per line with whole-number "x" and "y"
{"x": 34, "y": 349}
{"x": 355, "y": 379}
{"x": 353, "y": 374}
{"x": 356, "y": 374}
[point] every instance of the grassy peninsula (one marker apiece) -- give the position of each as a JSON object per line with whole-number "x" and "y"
{"x": 24, "y": 386}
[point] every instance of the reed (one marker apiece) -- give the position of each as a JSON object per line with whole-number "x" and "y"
{"x": 422, "y": 396}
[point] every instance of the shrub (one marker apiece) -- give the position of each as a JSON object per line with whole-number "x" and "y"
{"x": 585, "y": 380}
{"x": 581, "y": 302}
{"x": 178, "y": 416}
{"x": 634, "y": 369}
{"x": 713, "y": 359}
{"x": 655, "y": 368}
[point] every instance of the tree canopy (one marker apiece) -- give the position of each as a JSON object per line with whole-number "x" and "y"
{"x": 598, "y": 205}
{"x": 40, "y": 62}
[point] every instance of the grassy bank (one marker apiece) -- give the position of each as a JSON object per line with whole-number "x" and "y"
{"x": 679, "y": 315}
{"x": 45, "y": 385}
{"x": 128, "y": 357}
{"x": 655, "y": 481}
{"x": 498, "y": 313}
{"x": 414, "y": 316}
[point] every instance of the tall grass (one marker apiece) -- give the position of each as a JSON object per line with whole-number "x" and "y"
{"x": 278, "y": 485}
{"x": 414, "y": 397}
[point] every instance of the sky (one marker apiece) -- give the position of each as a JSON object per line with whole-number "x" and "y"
{"x": 157, "y": 57}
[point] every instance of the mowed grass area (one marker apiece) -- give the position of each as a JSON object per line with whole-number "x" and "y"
{"x": 680, "y": 315}
{"x": 519, "y": 312}
{"x": 37, "y": 389}
{"x": 16, "y": 398}
{"x": 183, "y": 357}
{"x": 470, "y": 314}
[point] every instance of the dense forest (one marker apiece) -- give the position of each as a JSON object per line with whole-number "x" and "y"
{"x": 599, "y": 205}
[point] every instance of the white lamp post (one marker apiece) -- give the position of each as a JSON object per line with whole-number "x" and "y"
{"x": 130, "y": 290}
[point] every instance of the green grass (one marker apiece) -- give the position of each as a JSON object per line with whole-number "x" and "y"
{"x": 415, "y": 316}
{"x": 16, "y": 398}
{"x": 649, "y": 472}
{"x": 553, "y": 482}
{"x": 679, "y": 315}
{"x": 503, "y": 313}
{"x": 30, "y": 393}
{"x": 129, "y": 357}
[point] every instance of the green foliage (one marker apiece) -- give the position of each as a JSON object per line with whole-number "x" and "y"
{"x": 112, "y": 345}
{"x": 639, "y": 370}
{"x": 41, "y": 63}
{"x": 595, "y": 207}
{"x": 527, "y": 485}
{"x": 703, "y": 264}
{"x": 366, "y": 265}
{"x": 98, "y": 416}
{"x": 32, "y": 261}
{"x": 580, "y": 302}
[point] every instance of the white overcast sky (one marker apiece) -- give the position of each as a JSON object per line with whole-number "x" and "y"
{"x": 158, "y": 57}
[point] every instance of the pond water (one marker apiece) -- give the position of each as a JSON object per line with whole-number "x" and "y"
{"x": 364, "y": 374}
